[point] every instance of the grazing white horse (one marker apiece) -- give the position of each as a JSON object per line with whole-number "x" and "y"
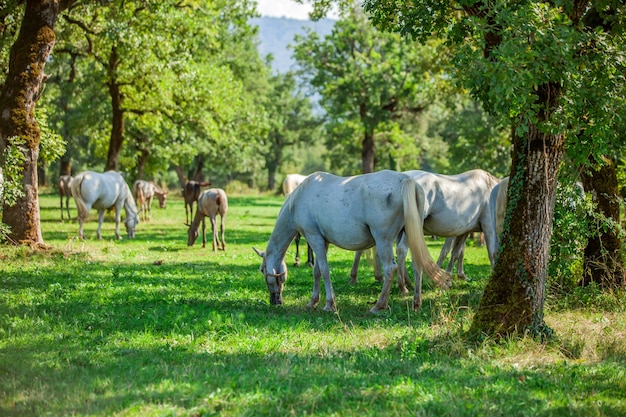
{"x": 353, "y": 213}
{"x": 103, "y": 191}
{"x": 210, "y": 203}
{"x": 144, "y": 193}
{"x": 290, "y": 183}
{"x": 454, "y": 206}
{"x": 65, "y": 191}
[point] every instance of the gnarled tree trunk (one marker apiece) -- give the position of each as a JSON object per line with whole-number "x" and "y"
{"x": 514, "y": 297}
{"x": 18, "y": 97}
{"x": 117, "y": 124}
{"x": 602, "y": 262}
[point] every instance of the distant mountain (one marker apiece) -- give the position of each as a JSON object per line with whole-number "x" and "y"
{"x": 276, "y": 33}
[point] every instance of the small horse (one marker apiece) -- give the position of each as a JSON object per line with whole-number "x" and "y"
{"x": 64, "y": 186}
{"x": 290, "y": 183}
{"x": 144, "y": 192}
{"x": 103, "y": 191}
{"x": 191, "y": 192}
{"x": 353, "y": 213}
{"x": 210, "y": 203}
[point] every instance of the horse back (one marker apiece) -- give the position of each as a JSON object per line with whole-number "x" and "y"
{"x": 345, "y": 210}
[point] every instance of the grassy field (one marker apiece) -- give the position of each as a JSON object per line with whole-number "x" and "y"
{"x": 151, "y": 327}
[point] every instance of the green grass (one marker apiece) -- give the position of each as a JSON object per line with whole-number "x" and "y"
{"x": 151, "y": 327}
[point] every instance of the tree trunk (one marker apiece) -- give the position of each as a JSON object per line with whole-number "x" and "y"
{"x": 142, "y": 158}
{"x": 117, "y": 126}
{"x": 197, "y": 174}
{"x": 602, "y": 257}
{"x": 368, "y": 153}
{"x": 182, "y": 180}
{"x": 18, "y": 97}
{"x": 42, "y": 181}
{"x": 514, "y": 297}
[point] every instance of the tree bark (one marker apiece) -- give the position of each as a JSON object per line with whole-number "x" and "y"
{"x": 514, "y": 297}
{"x": 602, "y": 262}
{"x": 18, "y": 97}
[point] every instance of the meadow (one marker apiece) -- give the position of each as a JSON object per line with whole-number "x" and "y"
{"x": 152, "y": 327}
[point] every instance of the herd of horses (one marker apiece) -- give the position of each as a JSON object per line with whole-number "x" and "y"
{"x": 375, "y": 210}
{"x": 108, "y": 190}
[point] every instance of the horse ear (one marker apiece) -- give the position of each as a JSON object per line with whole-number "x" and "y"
{"x": 258, "y": 252}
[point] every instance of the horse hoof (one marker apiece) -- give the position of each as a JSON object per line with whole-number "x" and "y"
{"x": 376, "y": 309}
{"x": 329, "y": 308}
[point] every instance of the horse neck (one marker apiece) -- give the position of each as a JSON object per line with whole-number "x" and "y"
{"x": 129, "y": 204}
{"x": 280, "y": 239}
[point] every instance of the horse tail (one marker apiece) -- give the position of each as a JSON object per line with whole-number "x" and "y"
{"x": 222, "y": 201}
{"x": 414, "y": 230}
{"x": 81, "y": 206}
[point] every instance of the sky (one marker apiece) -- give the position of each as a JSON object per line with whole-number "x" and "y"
{"x": 285, "y": 8}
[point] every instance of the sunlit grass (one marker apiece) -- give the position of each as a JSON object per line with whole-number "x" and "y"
{"x": 151, "y": 327}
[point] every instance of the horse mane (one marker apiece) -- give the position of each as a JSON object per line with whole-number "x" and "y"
{"x": 129, "y": 202}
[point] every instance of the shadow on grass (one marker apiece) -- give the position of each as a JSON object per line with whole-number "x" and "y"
{"x": 105, "y": 338}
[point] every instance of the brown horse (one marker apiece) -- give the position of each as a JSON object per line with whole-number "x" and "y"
{"x": 65, "y": 190}
{"x": 144, "y": 192}
{"x": 210, "y": 203}
{"x": 191, "y": 193}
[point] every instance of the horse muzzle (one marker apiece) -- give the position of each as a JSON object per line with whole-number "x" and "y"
{"x": 276, "y": 298}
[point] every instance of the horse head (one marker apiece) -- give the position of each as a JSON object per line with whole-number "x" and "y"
{"x": 275, "y": 280}
{"x": 162, "y": 197}
{"x": 131, "y": 222}
{"x": 192, "y": 235}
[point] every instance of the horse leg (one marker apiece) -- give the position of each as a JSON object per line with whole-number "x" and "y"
{"x": 100, "y": 220}
{"x": 315, "y": 295}
{"x": 445, "y": 249}
{"x": 417, "y": 290}
{"x": 385, "y": 252}
{"x": 222, "y": 223}
{"x": 67, "y": 207}
{"x": 297, "y": 240}
{"x": 458, "y": 252}
{"x": 378, "y": 274}
{"x": 310, "y": 256}
{"x": 203, "y": 232}
{"x": 355, "y": 267}
{"x": 322, "y": 270}
{"x": 491, "y": 240}
{"x": 403, "y": 275}
{"x": 81, "y": 232}
{"x": 149, "y": 207}
{"x": 118, "y": 219}
{"x": 214, "y": 232}
{"x": 61, "y": 207}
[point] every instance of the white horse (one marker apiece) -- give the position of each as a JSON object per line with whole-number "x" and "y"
{"x": 290, "y": 183}
{"x": 353, "y": 213}
{"x": 454, "y": 206}
{"x": 210, "y": 203}
{"x": 144, "y": 193}
{"x": 103, "y": 191}
{"x": 65, "y": 191}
